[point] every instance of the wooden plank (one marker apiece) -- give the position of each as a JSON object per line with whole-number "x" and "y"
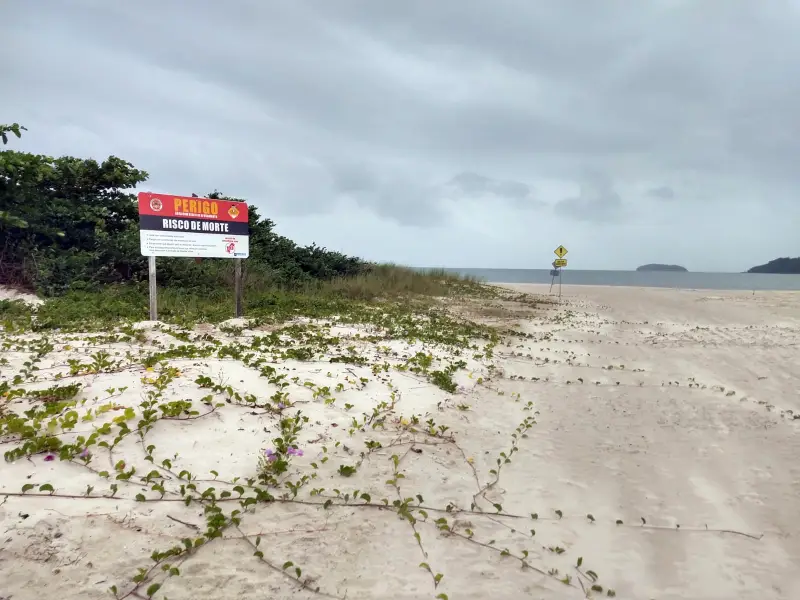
{"x": 238, "y": 287}
{"x": 151, "y": 262}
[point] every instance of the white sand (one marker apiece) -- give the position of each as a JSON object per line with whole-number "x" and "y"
{"x": 7, "y": 293}
{"x": 676, "y": 407}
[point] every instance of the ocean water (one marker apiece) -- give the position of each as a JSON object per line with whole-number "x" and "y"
{"x": 665, "y": 279}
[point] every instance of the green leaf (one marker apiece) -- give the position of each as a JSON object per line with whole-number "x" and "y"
{"x": 46, "y": 488}
{"x": 140, "y": 498}
{"x": 27, "y": 487}
{"x": 287, "y": 564}
{"x": 153, "y": 589}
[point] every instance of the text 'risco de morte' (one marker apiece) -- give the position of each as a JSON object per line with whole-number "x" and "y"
{"x": 209, "y": 226}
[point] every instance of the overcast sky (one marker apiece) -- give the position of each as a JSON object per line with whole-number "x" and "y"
{"x": 439, "y": 132}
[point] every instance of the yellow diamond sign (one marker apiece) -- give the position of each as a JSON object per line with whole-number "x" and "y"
{"x": 560, "y": 252}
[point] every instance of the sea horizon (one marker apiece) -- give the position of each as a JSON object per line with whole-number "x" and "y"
{"x": 689, "y": 280}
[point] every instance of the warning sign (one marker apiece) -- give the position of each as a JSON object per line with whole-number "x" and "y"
{"x": 192, "y": 227}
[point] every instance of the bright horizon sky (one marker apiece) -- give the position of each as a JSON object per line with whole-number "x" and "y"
{"x": 460, "y": 134}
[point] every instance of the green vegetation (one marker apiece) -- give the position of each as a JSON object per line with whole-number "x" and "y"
{"x": 397, "y": 291}
{"x": 786, "y": 266}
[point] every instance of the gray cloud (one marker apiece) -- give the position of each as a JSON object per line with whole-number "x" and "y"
{"x": 353, "y": 179}
{"x": 434, "y": 114}
{"x": 662, "y": 192}
{"x": 472, "y": 185}
{"x": 414, "y": 203}
{"x": 391, "y": 195}
{"x": 597, "y": 200}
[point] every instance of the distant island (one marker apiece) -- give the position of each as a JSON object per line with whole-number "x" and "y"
{"x": 658, "y": 267}
{"x": 779, "y": 265}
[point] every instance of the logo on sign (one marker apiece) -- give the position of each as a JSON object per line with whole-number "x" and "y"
{"x": 156, "y": 205}
{"x": 233, "y": 212}
{"x": 230, "y": 247}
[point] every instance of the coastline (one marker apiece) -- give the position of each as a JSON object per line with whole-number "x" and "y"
{"x": 667, "y": 279}
{"x": 543, "y": 288}
{"x": 651, "y": 433}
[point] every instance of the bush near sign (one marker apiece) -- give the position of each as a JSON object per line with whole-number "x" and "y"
{"x": 192, "y": 227}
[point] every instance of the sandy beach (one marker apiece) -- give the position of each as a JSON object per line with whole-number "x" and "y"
{"x": 627, "y": 442}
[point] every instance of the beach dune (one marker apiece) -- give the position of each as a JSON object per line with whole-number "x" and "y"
{"x": 626, "y": 442}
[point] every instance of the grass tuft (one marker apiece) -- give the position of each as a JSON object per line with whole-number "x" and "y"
{"x": 394, "y": 288}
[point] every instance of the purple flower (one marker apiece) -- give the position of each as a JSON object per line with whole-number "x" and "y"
{"x": 85, "y": 453}
{"x": 271, "y": 456}
{"x": 294, "y": 452}
{"x": 281, "y": 405}
{"x": 50, "y": 457}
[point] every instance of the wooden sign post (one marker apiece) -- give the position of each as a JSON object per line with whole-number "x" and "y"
{"x": 151, "y": 263}
{"x": 237, "y": 285}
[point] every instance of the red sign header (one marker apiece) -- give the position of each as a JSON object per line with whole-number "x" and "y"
{"x": 166, "y": 205}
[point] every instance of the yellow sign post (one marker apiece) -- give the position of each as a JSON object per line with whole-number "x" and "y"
{"x": 560, "y": 252}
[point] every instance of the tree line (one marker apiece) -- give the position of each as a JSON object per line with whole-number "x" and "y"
{"x": 70, "y": 223}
